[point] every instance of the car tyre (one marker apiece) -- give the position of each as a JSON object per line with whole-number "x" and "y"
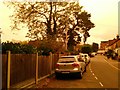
{"x": 57, "y": 75}
{"x": 81, "y": 75}
{"x": 85, "y": 69}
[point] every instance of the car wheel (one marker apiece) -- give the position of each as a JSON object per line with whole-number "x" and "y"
{"x": 81, "y": 75}
{"x": 57, "y": 75}
{"x": 85, "y": 69}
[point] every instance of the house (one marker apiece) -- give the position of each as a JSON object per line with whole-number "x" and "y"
{"x": 103, "y": 45}
{"x": 114, "y": 45}
{"x": 110, "y": 44}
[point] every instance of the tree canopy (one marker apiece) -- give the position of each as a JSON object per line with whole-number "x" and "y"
{"x": 86, "y": 49}
{"x": 95, "y": 47}
{"x": 56, "y": 19}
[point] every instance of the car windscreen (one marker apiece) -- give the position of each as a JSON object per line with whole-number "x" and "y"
{"x": 66, "y": 60}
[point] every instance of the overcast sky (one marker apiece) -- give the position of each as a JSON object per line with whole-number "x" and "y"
{"x": 104, "y": 16}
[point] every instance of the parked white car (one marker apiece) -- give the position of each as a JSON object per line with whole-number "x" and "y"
{"x": 71, "y": 64}
{"x": 85, "y": 57}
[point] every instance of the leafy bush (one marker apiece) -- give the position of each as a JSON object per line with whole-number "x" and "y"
{"x": 86, "y": 49}
{"x": 111, "y": 54}
{"x": 17, "y": 48}
{"x": 49, "y": 45}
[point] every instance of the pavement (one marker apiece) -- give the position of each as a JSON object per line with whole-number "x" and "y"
{"x": 42, "y": 83}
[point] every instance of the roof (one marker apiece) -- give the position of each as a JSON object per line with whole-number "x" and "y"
{"x": 104, "y": 41}
{"x": 114, "y": 42}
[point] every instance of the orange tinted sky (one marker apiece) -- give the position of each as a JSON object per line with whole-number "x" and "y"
{"x": 104, "y": 15}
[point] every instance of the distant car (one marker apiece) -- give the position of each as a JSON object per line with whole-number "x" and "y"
{"x": 93, "y": 54}
{"x": 71, "y": 64}
{"x": 85, "y": 57}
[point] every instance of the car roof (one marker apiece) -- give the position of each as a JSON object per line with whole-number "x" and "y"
{"x": 84, "y": 54}
{"x": 70, "y": 56}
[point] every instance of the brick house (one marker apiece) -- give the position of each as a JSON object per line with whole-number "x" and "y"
{"x": 114, "y": 45}
{"x": 103, "y": 45}
{"x": 110, "y": 44}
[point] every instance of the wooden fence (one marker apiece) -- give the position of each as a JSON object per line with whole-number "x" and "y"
{"x": 18, "y": 68}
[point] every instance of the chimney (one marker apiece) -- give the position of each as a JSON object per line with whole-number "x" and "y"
{"x": 117, "y": 36}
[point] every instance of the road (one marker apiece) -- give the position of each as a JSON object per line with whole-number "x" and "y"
{"x": 104, "y": 72}
{"x": 100, "y": 74}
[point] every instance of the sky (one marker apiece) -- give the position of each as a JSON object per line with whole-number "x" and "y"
{"x": 104, "y": 14}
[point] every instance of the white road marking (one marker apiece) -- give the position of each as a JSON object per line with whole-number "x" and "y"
{"x": 95, "y": 76}
{"x": 101, "y": 84}
{"x": 91, "y": 71}
{"x": 111, "y": 65}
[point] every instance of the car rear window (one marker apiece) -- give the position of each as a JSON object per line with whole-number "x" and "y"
{"x": 66, "y": 60}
